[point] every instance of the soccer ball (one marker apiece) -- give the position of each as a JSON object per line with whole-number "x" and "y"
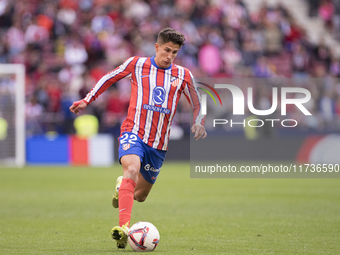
{"x": 143, "y": 236}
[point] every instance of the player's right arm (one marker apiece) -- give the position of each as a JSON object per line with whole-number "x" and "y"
{"x": 123, "y": 71}
{"x": 77, "y": 106}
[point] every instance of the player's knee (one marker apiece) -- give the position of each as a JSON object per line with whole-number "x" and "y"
{"x": 140, "y": 197}
{"x": 131, "y": 172}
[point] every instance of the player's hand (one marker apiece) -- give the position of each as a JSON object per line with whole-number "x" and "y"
{"x": 199, "y": 131}
{"x": 77, "y": 106}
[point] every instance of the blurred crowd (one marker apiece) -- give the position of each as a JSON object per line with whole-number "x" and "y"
{"x": 329, "y": 12}
{"x": 68, "y": 45}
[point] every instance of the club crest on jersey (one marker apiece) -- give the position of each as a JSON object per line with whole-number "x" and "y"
{"x": 175, "y": 81}
{"x": 126, "y": 146}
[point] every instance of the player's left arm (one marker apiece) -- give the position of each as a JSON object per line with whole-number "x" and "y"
{"x": 199, "y": 131}
{"x": 194, "y": 99}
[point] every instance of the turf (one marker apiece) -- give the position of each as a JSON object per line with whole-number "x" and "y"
{"x": 65, "y": 210}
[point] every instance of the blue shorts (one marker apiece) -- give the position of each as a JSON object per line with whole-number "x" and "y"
{"x": 151, "y": 159}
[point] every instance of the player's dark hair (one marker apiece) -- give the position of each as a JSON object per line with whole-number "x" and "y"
{"x": 170, "y": 35}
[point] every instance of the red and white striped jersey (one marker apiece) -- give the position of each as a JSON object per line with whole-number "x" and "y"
{"x": 155, "y": 93}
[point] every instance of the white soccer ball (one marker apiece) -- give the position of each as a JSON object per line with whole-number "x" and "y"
{"x": 143, "y": 236}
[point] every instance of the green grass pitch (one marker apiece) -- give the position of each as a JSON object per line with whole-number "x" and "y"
{"x": 67, "y": 210}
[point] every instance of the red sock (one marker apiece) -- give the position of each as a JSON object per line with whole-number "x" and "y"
{"x": 126, "y": 197}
